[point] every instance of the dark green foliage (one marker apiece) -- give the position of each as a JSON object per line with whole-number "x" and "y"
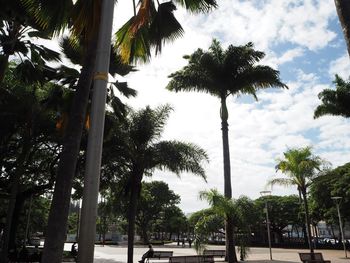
{"x": 335, "y": 102}
{"x": 283, "y": 211}
{"x": 334, "y": 183}
{"x": 154, "y": 207}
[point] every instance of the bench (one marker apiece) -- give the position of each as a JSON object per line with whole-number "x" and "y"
{"x": 192, "y": 259}
{"x": 160, "y": 255}
{"x": 214, "y": 253}
{"x": 312, "y": 258}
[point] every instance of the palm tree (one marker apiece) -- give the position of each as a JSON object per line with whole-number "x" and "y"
{"x": 144, "y": 152}
{"x": 18, "y": 30}
{"x": 241, "y": 210}
{"x": 85, "y": 19}
{"x": 343, "y": 10}
{"x": 301, "y": 167}
{"x": 335, "y": 102}
{"x": 222, "y": 73}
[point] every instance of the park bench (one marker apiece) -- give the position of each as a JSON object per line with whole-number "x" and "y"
{"x": 192, "y": 259}
{"x": 160, "y": 255}
{"x": 214, "y": 253}
{"x": 312, "y": 258}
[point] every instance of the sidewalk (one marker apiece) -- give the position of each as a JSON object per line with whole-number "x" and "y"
{"x": 118, "y": 254}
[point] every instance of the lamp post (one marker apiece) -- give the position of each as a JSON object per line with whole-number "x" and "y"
{"x": 265, "y": 194}
{"x": 87, "y": 230}
{"x": 337, "y": 200}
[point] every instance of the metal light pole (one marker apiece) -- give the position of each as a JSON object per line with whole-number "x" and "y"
{"x": 337, "y": 200}
{"x": 87, "y": 231}
{"x": 265, "y": 194}
{"x": 28, "y": 220}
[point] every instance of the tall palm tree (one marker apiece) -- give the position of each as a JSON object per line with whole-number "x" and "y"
{"x": 301, "y": 167}
{"x": 222, "y": 73}
{"x": 343, "y": 10}
{"x": 335, "y": 102}
{"x": 144, "y": 152}
{"x": 84, "y": 17}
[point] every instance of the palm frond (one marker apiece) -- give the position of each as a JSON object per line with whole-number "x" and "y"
{"x": 164, "y": 26}
{"x": 180, "y": 157}
{"x": 335, "y": 102}
{"x": 280, "y": 181}
{"x": 147, "y": 124}
{"x": 72, "y": 49}
{"x": 117, "y": 66}
{"x": 133, "y": 47}
{"x": 123, "y": 88}
{"x": 196, "y": 6}
{"x": 49, "y": 15}
{"x": 86, "y": 18}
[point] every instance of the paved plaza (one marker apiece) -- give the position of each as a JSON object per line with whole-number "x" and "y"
{"x": 118, "y": 254}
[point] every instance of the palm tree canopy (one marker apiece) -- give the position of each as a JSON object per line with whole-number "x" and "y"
{"x": 223, "y": 72}
{"x": 335, "y": 102}
{"x": 300, "y": 165}
{"x": 152, "y": 25}
{"x": 220, "y": 204}
{"x": 142, "y": 144}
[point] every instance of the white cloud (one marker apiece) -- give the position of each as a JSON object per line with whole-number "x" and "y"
{"x": 340, "y": 66}
{"x": 259, "y": 131}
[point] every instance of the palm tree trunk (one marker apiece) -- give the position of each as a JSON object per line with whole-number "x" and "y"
{"x": 226, "y": 149}
{"x": 57, "y": 222}
{"x": 343, "y": 10}
{"x": 3, "y": 66}
{"x": 307, "y": 221}
{"x": 135, "y": 188}
{"x": 230, "y": 244}
{"x": 229, "y": 234}
{"x": 145, "y": 236}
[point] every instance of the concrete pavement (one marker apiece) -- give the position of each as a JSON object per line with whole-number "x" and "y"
{"x": 118, "y": 254}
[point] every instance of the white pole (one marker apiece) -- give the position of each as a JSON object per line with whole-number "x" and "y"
{"x": 268, "y": 228}
{"x": 341, "y": 230}
{"x": 266, "y": 194}
{"x": 87, "y": 231}
{"x": 28, "y": 219}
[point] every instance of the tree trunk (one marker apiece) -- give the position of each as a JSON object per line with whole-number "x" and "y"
{"x": 229, "y": 232}
{"x": 229, "y": 243}
{"x": 145, "y": 236}
{"x": 3, "y": 66}
{"x": 16, "y": 215}
{"x": 22, "y": 159}
{"x": 57, "y": 222}
{"x": 307, "y": 221}
{"x": 135, "y": 188}
{"x": 343, "y": 10}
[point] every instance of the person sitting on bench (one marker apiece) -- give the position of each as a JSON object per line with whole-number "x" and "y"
{"x": 148, "y": 254}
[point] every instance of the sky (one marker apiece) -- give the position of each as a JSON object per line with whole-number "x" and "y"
{"x": 303, "y": 40}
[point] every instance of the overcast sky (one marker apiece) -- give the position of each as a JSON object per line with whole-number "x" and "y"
{"x": 302, "y": 39}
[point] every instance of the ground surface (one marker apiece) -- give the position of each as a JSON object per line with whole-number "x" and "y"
{"x": 117, "y": 254}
